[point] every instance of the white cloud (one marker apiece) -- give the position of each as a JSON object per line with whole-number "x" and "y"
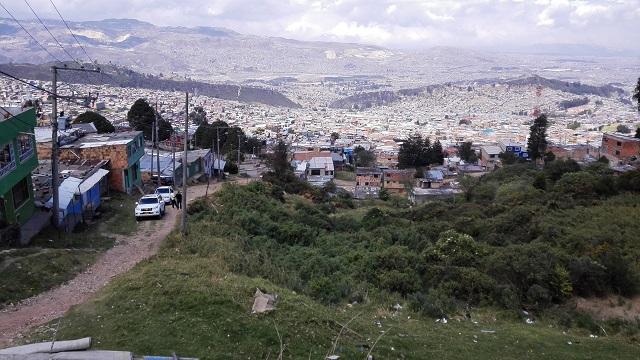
{"x": 393, "y": 23}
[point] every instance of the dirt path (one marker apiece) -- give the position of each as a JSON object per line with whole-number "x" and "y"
{"x": 129, "y": 250}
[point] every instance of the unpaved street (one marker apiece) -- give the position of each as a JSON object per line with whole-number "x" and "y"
{"x": 129, "y": 250}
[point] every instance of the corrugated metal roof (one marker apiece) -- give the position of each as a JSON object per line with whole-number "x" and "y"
{"x": 92, "y": 180}
{"x": 321, "y": 163}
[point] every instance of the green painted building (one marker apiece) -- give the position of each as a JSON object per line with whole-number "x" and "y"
{"x": 17, "y": 159}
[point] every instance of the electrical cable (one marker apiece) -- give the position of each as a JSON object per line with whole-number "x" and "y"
{"x": 28, "y": 33}
{"x": 50, "y": 33}
{"x": 72, "y": 34}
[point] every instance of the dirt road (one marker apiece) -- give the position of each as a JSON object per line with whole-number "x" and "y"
{"x": 129, "y": 250}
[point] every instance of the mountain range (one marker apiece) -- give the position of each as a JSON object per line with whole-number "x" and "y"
{"x": 219, "y": 55}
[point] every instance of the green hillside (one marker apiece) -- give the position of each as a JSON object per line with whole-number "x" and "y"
{"x": 520, "y": 244}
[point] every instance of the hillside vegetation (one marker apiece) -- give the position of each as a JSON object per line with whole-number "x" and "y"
{"x": 501, "y": 265}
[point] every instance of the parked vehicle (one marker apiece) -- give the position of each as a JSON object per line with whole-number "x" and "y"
{"x": 167, "y": 193}
{"x": 150, "y": 206}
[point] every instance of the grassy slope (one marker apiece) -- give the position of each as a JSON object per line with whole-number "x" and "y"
{"x": 192, "y": 306}
{"x": 55, "y": 258}
{"x": 346, "y": 175}
{"x": 195, "y": 305}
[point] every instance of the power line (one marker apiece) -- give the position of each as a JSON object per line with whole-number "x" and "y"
{"x": 28, "y": 33}
{"x": 50, "y": 33}
{"x": 72, "y": 34}
{"x": 67, "y": 98}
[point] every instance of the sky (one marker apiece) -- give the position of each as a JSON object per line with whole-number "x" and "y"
{"x": 409, "y": 24}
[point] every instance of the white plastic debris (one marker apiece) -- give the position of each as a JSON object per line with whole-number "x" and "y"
{"x": 263, "y": 302}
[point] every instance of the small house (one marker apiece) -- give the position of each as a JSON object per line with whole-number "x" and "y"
{"x": 320, "y": 171}
{"x": 490, "y": 156}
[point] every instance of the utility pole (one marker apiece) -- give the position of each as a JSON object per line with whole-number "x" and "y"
{"x": 238, "y": 152}
{"x": 218, "y": 153}
{"x": 54, "y": 148}
{"x": 157, "y": 144}
{"x": 55, "y": 176}
{"x": 153, "y": 140}
{"x": 184, "y": 166}
{"x": 173, "y": 155}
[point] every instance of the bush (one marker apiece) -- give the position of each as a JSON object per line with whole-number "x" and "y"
{"x": 557, "y": 168}
{"x": 577, "y": 184}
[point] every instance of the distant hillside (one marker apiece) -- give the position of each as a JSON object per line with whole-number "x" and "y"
{"x": 116, "y": 76}
{"x": 381, "y": 98}
{"x": 570, "y": 87}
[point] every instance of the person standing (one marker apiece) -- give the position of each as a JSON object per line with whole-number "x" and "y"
{"x": 178, "y": 200}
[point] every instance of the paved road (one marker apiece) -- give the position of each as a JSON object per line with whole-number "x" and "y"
{"x": 38, "y": 310}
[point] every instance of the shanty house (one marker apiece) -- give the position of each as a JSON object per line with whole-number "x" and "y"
{"x": 123, "y": 149}
{"x": 17, "y": 160}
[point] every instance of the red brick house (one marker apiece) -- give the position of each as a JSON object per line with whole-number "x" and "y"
{"x": 621, "y": 147}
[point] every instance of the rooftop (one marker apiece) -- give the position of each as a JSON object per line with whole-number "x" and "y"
{"x": 8, "y": 112}
{"x": 623, "y": 137}
{"x": 96, "y": 140}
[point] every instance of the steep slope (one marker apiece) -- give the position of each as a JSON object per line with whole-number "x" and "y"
{"x": 116, "y": 76}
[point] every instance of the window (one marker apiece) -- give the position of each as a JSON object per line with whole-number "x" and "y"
{"x": 617, "y": 152}
{"x": 7, "y": 160}
{"x": 149, "y": 201}
{"x": 375, "y": 176}
{"x": 25, "y": 146}
{"x": 619, "y": 143}
{"x": 20, "y": 193}
{"x": 315, "y": 172}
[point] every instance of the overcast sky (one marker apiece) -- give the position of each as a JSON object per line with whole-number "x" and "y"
{"x": 397, "y": 24}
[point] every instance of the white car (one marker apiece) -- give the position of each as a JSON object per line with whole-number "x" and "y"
{"x": 150, "y": 206}
{"x": 167, "y": 193}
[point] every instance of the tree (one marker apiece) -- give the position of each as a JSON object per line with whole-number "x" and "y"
{"x": 141, "y": 117}
{"x": 623, "y": 129}
{"x": 436, "y": 153}
{"x": 636, "y": 93}
{"x": 364, "y": 158}
{"x": 100, "y": 122}
{"x": 279, "y": 160}
{"x": 410, "y": 150}
{"x": 508, "y": 158}
{"x": 537, "y": 143}
{"x": 334, "y": 136}
{"x": 416, "y": 152}
{"x": 636, "y": 96}
{"x": 198, "y": 116}
{"x": 466, "y": 153}
{"x": 205, "y": 136}
{"x": 549, "y": 157}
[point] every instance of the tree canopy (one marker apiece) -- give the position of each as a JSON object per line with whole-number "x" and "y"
{"x": 364, "y": 158}
{"x": 100, "y": 122}
{"x": 417, "y": 152}
{"x": 466, "y": 153}
{"x": 142, "y": 116}
{"x": 537, "y": 143}
{"x": 198, "y": 116}
{"x": 206, "y": 137}
{"x": 623, "y": 129}
{"x": 636, "y": 93}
